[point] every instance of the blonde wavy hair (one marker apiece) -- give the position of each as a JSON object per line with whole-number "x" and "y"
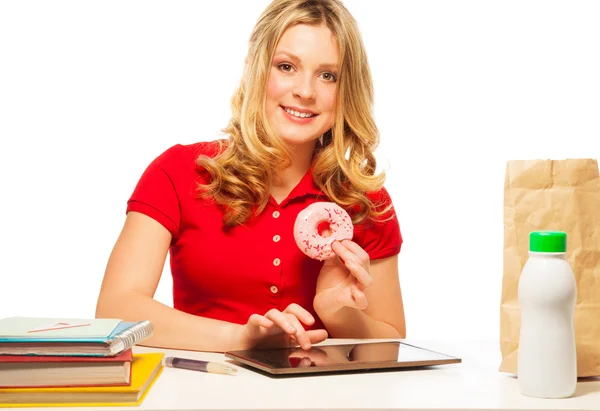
{"x": 344, "y": 166}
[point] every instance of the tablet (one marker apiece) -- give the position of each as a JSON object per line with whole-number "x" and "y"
{"x": 340, "y": 357}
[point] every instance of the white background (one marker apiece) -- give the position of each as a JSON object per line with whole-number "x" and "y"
{"x": 91, "y": 92}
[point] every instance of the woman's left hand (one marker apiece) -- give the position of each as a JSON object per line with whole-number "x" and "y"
{"x": 343, "y": 279}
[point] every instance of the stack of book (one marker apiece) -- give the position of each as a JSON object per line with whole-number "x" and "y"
{"x": 52, "y": 361}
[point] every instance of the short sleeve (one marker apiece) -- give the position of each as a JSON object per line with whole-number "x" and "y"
{"x": 380, "y": 239}
{"x": 155, "y": 194}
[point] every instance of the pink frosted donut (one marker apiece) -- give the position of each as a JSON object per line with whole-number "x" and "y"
{"x": 308, "y": 222}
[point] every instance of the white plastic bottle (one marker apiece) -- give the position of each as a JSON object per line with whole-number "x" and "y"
{"x": 547, "y": 358}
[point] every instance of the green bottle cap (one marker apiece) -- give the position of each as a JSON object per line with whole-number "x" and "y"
{"x": 548, "y": 241}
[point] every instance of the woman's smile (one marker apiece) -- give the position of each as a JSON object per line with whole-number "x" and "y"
{"x": 298, "y": 116}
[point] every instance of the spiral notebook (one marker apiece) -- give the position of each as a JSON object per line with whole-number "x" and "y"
{"x": 59, "y": 336}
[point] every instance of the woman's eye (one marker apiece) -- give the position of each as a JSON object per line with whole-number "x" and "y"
{"x": 329, "y": 77}
{"x": 285, "y": 67}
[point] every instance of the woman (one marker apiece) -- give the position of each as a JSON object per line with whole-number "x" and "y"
{"x": 301, "y": 131}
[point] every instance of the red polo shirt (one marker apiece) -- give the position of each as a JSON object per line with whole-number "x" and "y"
{"x": 232, "y": 274}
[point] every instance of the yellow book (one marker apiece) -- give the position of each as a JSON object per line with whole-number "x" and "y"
{"x": 145, "y": 369}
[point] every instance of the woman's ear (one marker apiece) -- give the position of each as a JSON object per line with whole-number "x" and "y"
{"x": 244, "y": 70}
{"x": 246, "y": 64}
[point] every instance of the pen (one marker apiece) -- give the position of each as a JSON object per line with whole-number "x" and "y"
{"x": 198, "y": 365}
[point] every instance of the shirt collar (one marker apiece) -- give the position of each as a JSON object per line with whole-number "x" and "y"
{"x": 306, "y": 186}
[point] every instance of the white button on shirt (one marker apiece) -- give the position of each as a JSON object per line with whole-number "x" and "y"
{"x": 276, "y": 214}
{"x": 276, "y": 262}
{"x": 274, "y": 289}
{"x": 276, "y": 238}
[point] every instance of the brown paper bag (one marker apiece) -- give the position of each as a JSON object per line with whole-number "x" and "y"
{"x": 559, "y": 195}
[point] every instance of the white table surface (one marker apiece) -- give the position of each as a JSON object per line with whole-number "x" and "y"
{"x": 474, "y": 384}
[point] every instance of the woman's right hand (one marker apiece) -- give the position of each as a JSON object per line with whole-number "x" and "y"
{"x": 279, "y": 329}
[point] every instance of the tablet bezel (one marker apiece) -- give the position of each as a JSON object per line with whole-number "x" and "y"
{"x": 248, "y": 358}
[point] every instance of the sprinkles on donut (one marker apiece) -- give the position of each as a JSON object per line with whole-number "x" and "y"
{"x": 310, "y": 224}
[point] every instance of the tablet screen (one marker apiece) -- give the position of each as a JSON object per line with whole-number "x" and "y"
{"x": 341, "y": 357}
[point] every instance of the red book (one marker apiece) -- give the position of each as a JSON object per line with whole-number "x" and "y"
{"x": 25, "y": 371}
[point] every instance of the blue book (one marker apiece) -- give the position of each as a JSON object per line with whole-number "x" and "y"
{"x": 70, "y": 336}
